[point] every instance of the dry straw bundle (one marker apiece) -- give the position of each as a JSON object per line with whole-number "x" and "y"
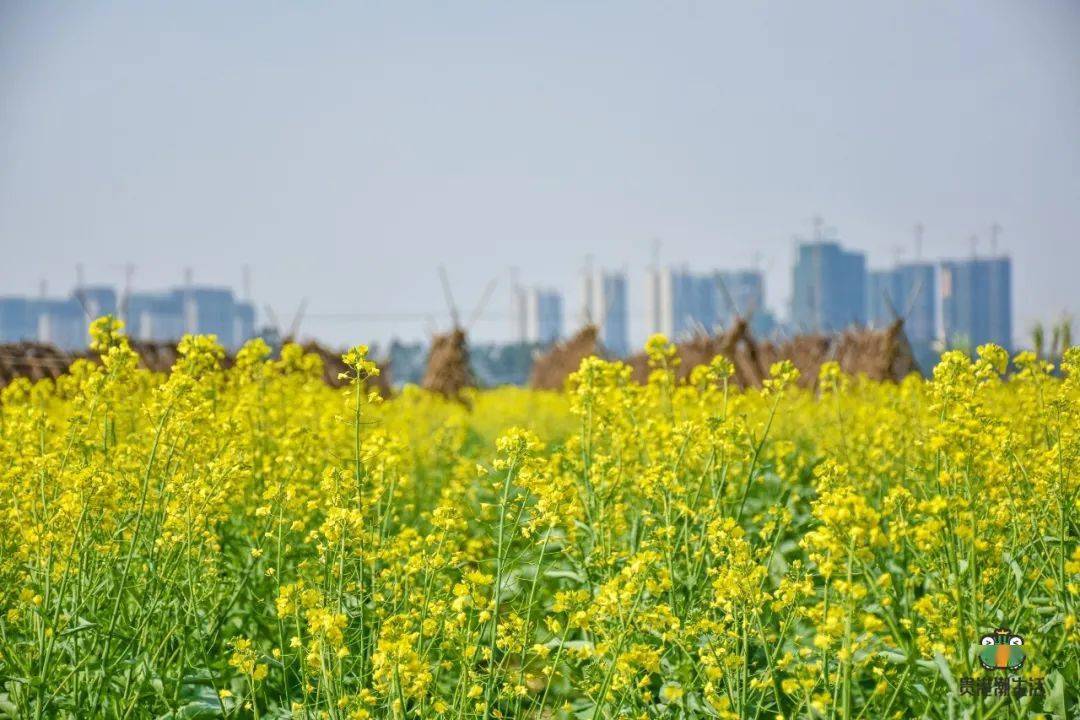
{"x": 551, "y": 370}
{"x": 38, "y": 361}
{"x": 883, "y": 354}
{"x": 736, "y": 344}
{"x": 879, "y": 354}
{"x": 448, "y": 371}
{"x": 33, "y": 360}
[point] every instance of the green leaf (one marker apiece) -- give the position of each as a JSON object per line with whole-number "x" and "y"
{"x": 82, "y": 624}
{"x": 1055, "y": 697}
{"x": 197, "y": 710}
{"x": 564, "y": 575}
{"x": 943, "y": 667}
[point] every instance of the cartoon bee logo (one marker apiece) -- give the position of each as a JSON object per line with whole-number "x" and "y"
{"x": 1002, "y": 650}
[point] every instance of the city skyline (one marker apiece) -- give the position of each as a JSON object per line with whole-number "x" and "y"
{"x": 499, "y": 319}
{"x": 161, "y": 316}
{"x": 944, "y": 302}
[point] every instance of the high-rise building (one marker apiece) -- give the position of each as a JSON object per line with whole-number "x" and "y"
{"x": 96, "y": 301}
{"x": 16, "y": 322}
{"x": 881, "y": 292}
{"x": 829, "y": 287}
{"x": 741, "y": 293}
{"x": 907, "y": 291}
{"x": 540, "y": 315}
{"x": 661, "y": 301}
{"x": 918, "y": 293}
{"x": 682, "y": 302}
{"x": 976, "y": 302}
{"x": 164, "y": 317}
{"x": 63, "y": 322}
{"x": 167, "y": 316}
{"x": 606, "y": 305}
{"x": 154, "y": 317}
{"x": 243, "y": 322}
{"x": 59, "y": 321}
{"x": 209, "y": 311}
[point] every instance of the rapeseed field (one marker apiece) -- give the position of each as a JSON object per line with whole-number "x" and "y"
{"x": 250, "y": 543}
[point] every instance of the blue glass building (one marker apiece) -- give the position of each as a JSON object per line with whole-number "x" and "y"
{"x": 243, "y": 323}
{"x": 745, "y": 297}
{"x": 209, "y": 311}
{"x": 910, "y": 291}
{"x": 976, "y": 302}
{"x": 97, "y": 300}
{"x": 156, "y": 317}
{"x": 163, "y": 317}
{"x": 60, "y": 322}
{"x": 16, "y": 322}
{"x": 682, "y": 303}
{"x": 615, "y": 314}
{"x": 606, "y": 305}
{"x": 543, "y": 316}
{"x": 168, "y": 316}
{"x": 829, "y": 292}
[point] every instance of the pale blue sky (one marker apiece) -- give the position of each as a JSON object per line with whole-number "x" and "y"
{"x": 345, "y": 150}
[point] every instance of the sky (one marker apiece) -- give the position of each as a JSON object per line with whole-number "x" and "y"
{"x": 344, "y": 151}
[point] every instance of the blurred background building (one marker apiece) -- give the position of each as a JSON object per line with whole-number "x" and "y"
{"x": 539, "y": 315}
{"x": 682, "y": 302}
{"x": 829, "y": 287}
{"x": 63, "y": 322}
{"x": 152, "y": 316}
{"x": 606, "y": 304}
{"x": 956, "y": 303}
{"x": 741, "y": 293}
{"x": 976, "y": 302}
{"x": 908, "y": 292}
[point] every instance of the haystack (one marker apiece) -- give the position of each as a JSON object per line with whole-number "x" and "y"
{"x": 806, "y": 352}
{"x": 551, "y": 370}
{"x": 883, "y": 355}
{"x": 32, "y": 360}
{"x": 38, "y": 361}
{"x": 157, "y": 356}
{"x": 448, "y": 371}
{"x": 736, "y": 344}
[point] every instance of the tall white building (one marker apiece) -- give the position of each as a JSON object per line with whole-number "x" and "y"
{"x": 681, "y": 302}
{"x": 539, "y": 315}
{"x": 605, "y": 304}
